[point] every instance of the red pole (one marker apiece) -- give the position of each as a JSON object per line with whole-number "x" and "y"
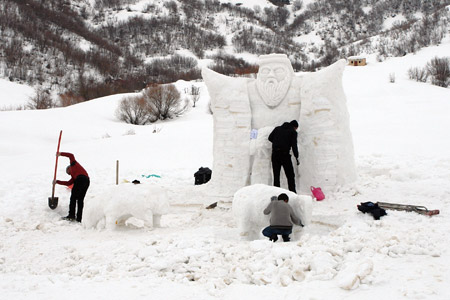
{"x": 56, "y": 163}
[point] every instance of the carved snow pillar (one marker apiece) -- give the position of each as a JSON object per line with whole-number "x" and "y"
{"x": 232, "y": 126}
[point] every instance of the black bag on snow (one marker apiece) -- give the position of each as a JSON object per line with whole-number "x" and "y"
{"x": 203, "y": 175}
{"x": 372, "y": 208}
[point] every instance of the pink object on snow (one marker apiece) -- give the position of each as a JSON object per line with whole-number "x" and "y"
{"x": 317, "y": 193}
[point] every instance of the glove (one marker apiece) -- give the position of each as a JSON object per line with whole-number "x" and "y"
{"x": 273, "y": 198}
{"x": 298, "y": 163}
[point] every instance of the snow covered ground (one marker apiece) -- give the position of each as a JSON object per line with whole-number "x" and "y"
{"x": 14, "y": 95}
{"x": 402, "y": 138}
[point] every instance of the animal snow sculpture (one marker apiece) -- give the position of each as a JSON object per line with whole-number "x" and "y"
{"x": 316, "y": 100}
{"x": 249, "y": 203}
{"x": 140, "y": 205}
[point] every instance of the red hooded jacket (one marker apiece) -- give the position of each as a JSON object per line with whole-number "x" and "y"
{"x": 75, "y": 169}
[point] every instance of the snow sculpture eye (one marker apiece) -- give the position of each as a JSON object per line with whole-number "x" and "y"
{"x": 280, "y": 73}
{"x": 265, "y": 71}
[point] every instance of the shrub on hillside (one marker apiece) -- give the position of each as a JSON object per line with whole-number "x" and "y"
{"x": 164, "y": 101}
{"x": 171, "y": 69}
{"x": 69, "y": 98}
{"x": 157, "y": 102}
{"x": 439, "y": 71}
{"x": 134, "y": 110}
{"x": 297, "y": 4}
{"x": 392, "y": 77}
{"x": 229, "y": 65}
{"x": 418, "y": 74}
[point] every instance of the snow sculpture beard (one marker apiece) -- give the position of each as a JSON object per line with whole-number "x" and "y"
{"x": 273, "y": 85}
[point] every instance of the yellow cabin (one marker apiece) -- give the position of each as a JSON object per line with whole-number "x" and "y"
{"x": 356, "y": 61}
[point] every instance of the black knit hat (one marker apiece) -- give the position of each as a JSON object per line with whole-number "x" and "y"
{"x": 294, "y": 123}
{"x": 283, "y": 196}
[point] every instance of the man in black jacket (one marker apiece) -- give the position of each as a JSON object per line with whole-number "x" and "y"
{"x": 284, "y": 138}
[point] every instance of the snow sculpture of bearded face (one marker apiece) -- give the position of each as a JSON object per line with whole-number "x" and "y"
{"x": 245, "y": 111}
{"x": 273, "y": 81}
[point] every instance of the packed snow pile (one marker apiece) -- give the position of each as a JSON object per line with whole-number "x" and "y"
{"x": 250, "y": 201}
{"x": 133, "y": 205}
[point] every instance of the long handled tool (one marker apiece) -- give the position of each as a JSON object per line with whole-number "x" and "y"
{"x": 415, "y": 208}
{"x": 53, "y": 201}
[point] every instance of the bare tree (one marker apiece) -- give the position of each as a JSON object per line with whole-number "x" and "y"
{"x": 157, "y": 102}
{"x": 41, "y": 100}
{"x": 164, "y": 101}
{"x": 134, "y": 110}
{"x": 194, "y": 92}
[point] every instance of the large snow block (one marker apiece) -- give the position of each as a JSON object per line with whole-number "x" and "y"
{"x": 140, "y": 205}
{"x": 249, "y": 203}
{"x": 325, "y": 140}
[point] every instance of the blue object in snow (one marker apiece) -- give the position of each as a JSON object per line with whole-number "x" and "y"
{"x": 253, "y": 134}
{"x": 151, "y": 175}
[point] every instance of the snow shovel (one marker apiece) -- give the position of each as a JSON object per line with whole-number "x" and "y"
{"x": 53, "y": 201}
{"x": 415, "y": 208}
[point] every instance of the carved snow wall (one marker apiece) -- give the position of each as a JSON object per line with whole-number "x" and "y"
{"x": 245, "y": 111}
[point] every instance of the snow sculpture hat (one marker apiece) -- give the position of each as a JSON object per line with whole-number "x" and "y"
{"x": 276, "y": 58}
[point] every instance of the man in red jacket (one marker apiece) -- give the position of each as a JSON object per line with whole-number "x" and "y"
{"x": 80, "y": 180}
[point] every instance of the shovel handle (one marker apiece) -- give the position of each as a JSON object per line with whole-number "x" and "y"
{"x": 56, "y": 164}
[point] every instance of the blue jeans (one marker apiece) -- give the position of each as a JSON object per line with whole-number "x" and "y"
{"x": 271, "y": 233}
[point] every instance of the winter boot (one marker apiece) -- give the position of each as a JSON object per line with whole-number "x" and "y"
{"x": 273, "y": 238}
{"x": 69, "y": 218}
{"x": 286, "y": 238}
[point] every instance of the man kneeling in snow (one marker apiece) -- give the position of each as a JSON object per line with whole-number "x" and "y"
{"x": 282, "y": 217}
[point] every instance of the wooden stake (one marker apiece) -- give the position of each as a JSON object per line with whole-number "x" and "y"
{"x": 117, "y": 172}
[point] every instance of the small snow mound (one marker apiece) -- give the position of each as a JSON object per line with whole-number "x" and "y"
{"x": 351, "y": 277}
{"x": 323, "y": 266}
{"x": 282, "y": 252}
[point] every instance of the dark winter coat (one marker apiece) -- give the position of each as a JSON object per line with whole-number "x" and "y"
{"x": 284, "y": 138}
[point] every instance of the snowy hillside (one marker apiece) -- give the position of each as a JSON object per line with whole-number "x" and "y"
{"x": 402, "y": 147}
{"x": 89, "y": 49}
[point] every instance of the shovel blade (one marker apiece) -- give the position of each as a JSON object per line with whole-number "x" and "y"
{"x": 52, "y": 202}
